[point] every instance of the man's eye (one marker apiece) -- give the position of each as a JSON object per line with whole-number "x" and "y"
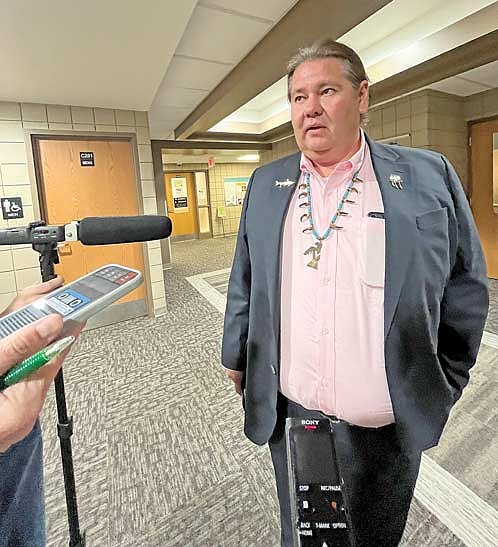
{"x": 328, "y": 91}
{"x": 298, "y": 98}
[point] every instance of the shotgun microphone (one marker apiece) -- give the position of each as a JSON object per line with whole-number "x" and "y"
{"x": 109, "y": 230}
{"x": 91, "y": 231}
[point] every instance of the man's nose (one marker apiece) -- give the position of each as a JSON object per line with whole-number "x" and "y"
{"x": 313, "y": 106}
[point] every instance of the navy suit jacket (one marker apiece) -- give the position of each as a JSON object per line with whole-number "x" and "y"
{"x": 435, "y": 296}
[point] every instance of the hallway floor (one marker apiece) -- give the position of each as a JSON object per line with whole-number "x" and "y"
{"x": 160, "y": 457}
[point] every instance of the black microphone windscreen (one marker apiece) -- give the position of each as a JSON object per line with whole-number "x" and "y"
{"x": 108, "y": 230}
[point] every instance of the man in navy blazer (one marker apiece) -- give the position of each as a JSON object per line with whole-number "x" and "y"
{"x": 435, "y": 296}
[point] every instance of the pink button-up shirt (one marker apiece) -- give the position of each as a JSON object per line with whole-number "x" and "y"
{"x": 332, "y": 327}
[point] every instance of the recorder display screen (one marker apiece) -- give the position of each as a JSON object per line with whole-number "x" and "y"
{"x": 315, "y": 457}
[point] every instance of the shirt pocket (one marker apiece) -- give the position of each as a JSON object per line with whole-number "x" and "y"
{"x": 373, "y": 251}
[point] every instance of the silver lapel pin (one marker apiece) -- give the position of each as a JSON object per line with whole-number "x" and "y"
{"x": 396, "y": 181}
{"x": 283, "y": 183}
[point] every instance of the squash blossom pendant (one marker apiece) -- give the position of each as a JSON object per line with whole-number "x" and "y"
{"x": 315, "y": 251}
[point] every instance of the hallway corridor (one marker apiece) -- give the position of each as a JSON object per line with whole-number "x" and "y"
{"x": 160, "y": 457}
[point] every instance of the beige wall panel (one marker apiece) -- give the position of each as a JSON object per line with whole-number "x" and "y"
{"x": 7, "y": 261}
{"x": 35, "y": 125}
{"x": 104, "y": 116}
{"x": 80, "y": 114}
{"x": 6, "y": 299}
{"x": 141, "y": 119}
{"x": 24, "y": 258}
{"x": 7, "y": 282}
{"x": 11, "y": 131}
{"x": 125, "y": 117}
{"x": 12, "y": 152}
{"x": 26, "y": 278}
{"x": 106, "y": 128}
{"x": 34, "y": 112}
{"x": 60, "y": 126}
{"x": 58, "y": 113}
{"x": 10, "y": 111}
{"x": 83, "y": 127}
{"x": 15, "y": 174}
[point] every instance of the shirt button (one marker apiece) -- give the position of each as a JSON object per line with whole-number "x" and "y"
{"x": 325, "y": 332}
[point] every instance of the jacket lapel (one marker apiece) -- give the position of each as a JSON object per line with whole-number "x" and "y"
{"x": 282, "y": 189}
{"x": 279, "y": 200}
{"x": 401, "y": 229}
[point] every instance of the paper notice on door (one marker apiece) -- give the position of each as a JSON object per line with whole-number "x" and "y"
{"x": 180, "y": 196}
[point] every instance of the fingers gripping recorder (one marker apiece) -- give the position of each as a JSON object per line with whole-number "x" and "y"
{"x": 77, "y": 301}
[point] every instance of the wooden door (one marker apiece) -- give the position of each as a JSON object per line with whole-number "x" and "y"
{"x": 482, "y": 191}
{"x": 70, "y": 191}
{"x": 182, "y": 204}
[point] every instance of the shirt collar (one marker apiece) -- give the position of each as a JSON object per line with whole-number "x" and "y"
{"x": 352, "y": 164}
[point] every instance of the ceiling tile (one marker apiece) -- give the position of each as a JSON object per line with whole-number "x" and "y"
{"x": 161, "y": 130}
{"x": 486, "y": 74}
{"x": 170, "y": 113}
{"x": 458, "y": 86}
{"x": 273, "y": 10}
{"x": 179, "y": 96}
{"x": 105, "y": 59}
{"x": 239, "y": 35}
{"x": 194, "y": 74}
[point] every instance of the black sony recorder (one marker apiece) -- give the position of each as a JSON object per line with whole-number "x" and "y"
{"x": 319, "y": 513}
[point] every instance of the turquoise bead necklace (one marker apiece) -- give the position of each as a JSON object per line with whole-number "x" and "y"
{"x": 347, "y": 197}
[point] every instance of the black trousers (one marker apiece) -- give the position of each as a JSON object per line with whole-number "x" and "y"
{"x": 379, "y": 478}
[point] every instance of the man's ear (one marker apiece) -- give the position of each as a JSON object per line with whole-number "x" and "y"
{"x": 363, "y": 96}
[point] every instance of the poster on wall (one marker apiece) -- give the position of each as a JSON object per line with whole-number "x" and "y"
{"x": 235, "y": 190}
{"x": 180, "y": 196}
{"x": 201, "y": 186}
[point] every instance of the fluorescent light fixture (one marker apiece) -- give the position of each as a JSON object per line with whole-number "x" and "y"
{"x": 249, "y": 157}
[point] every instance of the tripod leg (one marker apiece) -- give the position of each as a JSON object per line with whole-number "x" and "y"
{"x": 64, "y": 431}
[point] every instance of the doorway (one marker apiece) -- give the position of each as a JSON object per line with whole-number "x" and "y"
{"x": 80, "y": 178}
{"x": 486, "y": 216}
{"x": 181, "y": 201}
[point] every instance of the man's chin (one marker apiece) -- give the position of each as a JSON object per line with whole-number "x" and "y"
{"x": 317, "y": 147}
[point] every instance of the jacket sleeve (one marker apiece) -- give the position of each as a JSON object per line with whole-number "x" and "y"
{"x": 464, "y": 306}
{"x": 233, "y": 350}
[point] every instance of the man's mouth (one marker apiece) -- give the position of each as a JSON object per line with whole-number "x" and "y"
{"x": 314, "y": 127}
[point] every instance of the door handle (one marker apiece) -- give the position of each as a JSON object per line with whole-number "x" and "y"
{"x": 65, "y": 249}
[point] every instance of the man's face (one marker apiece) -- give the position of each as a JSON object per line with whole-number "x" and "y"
{"x": 325, "y": 107}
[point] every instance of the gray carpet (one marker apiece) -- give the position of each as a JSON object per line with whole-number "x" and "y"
{"x": 160, "y": 457}
{"x": 159, "y": 454}
{"x": 492, "y": 322}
